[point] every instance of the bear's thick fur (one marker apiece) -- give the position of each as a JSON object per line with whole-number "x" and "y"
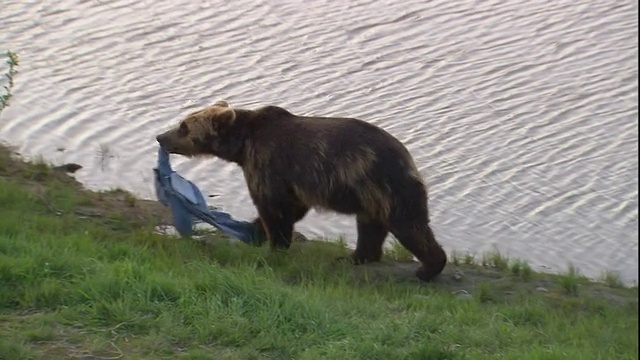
{"x": 294, "y": 163}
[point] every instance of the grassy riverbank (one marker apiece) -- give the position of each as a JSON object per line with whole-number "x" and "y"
{"x": 84, "y": 275}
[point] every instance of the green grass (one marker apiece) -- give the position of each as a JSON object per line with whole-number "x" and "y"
{"x": 73, "y": 287}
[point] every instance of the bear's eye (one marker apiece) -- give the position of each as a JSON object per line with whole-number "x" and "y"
{"x": 183, "y": 130}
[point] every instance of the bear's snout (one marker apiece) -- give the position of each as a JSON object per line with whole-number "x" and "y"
{"x": 164, "y": 140}
{"x": 160, "y": 139}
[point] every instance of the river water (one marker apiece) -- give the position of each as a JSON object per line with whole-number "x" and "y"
{"x": 521, "y": 115}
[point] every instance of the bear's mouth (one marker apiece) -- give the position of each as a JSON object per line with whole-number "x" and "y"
{"x": 167, "y": 144}
{"x": 171, "y": 149}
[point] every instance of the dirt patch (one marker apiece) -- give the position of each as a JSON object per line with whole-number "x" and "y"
{"x": 122, "y": 204}
{"x": 105, "y": 204}
{"x": 492, "y": 284}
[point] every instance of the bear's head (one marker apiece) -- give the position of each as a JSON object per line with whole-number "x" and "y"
{"x": 203, "y": 132}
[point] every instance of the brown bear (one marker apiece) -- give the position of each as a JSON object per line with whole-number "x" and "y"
{"x": 293, "y": 163}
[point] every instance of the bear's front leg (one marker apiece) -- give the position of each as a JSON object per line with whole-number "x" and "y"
{"x": 277, "y": 209}
{"x": 278, "y": 229}
{"x": 259, "y": 234}
{"x": 279, "y": 233}
{"x": 371, "y": 235}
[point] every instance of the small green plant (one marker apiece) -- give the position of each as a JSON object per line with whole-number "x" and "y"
{"x": 485, "y": 294}
{"x": 130, "y": 199}
{"x": 469, "y": 259}
{"x": 485, "y": 261}
{"x": 116, "y": 191}
{"x": 521, "y": 269}
{"x": 570, "y": 280}
{"x": 104, "y": 155}
{"x": 12, "y": 62}
{"x": 455, "y": 258}
{"x": 515, "y": 268}
{"x": 499, "y": 261}
{"x": 612, "y": 279}
{"x": 37, "y": 170}
{"x": 4, "y": 161}
{"x": 495, "y": 259}
{"x": 342, "y": 242}
{"x": 526, "y": 271}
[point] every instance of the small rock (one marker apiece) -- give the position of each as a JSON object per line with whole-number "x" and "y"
{"x": 462, "y": 295}
{"x": 298, "y": 237}
{"x": 458, "y": 275}
{"x": 542, "y": 289}
{"x": 70, "y": 167}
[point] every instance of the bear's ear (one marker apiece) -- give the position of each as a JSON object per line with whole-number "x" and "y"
{"x": 222, "y": 103}
{"x": 223, "y": 119}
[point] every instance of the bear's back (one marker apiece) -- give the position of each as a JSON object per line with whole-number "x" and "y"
{"x": 323, "y": 150}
